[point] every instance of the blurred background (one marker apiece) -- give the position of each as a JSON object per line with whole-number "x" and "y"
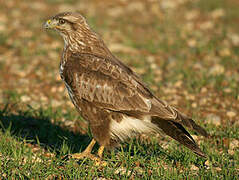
{"x": 185, "y": 50}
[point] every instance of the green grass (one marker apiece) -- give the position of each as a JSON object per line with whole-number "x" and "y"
{"x": 23, "y": 131}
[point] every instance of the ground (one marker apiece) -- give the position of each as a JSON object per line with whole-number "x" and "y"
{"x": 185, "y": 50}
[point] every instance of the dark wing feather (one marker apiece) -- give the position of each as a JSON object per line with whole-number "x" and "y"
{"x": 179, "y": 133}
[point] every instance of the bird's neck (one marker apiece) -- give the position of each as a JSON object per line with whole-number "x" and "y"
{"x": 83, "y": 42}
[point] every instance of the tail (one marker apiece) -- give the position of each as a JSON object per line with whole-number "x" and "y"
{"x": 170, "y": 113}
{"x": 183, "y": 119}
{"x": 179, "y": 133}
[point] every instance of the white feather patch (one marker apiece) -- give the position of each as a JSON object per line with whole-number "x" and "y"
{"x": 129, "y": 127}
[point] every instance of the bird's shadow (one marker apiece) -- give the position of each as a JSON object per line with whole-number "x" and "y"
{"x": 39, "y": 129}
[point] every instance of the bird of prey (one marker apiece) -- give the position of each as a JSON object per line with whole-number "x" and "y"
{"x": 109, "y": 95}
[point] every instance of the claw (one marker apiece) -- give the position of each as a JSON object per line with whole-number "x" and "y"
{"x": 87, "y": 154}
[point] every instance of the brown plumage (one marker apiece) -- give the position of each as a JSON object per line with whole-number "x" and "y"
{"x": 108, "y": 94}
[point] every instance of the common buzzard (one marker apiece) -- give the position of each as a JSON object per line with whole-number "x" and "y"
{"x": 109, "y": 95}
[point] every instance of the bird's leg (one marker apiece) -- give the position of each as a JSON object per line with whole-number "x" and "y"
{"x": 100, "y": 154}
{"x": 100, "y": 151}
{"x": 86, "y": 152}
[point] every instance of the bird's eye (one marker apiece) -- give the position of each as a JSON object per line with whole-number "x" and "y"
{"x": 62, "y": 21}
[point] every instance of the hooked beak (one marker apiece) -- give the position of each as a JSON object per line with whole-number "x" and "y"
{"x": 49, "y": 24}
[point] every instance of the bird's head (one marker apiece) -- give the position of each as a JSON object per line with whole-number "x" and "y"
{"x": 66, "y": 22}
{"x": 72, "y": 27}
{"x": 76, "y": 32}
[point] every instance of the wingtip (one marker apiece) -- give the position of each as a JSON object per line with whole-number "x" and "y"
{"x": 201, "y": 154}
{"x": 199, "y": 129}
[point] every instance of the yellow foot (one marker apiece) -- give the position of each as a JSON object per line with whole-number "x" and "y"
{"x": 87, "y": 154}
{"x": 98, "y": 161}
